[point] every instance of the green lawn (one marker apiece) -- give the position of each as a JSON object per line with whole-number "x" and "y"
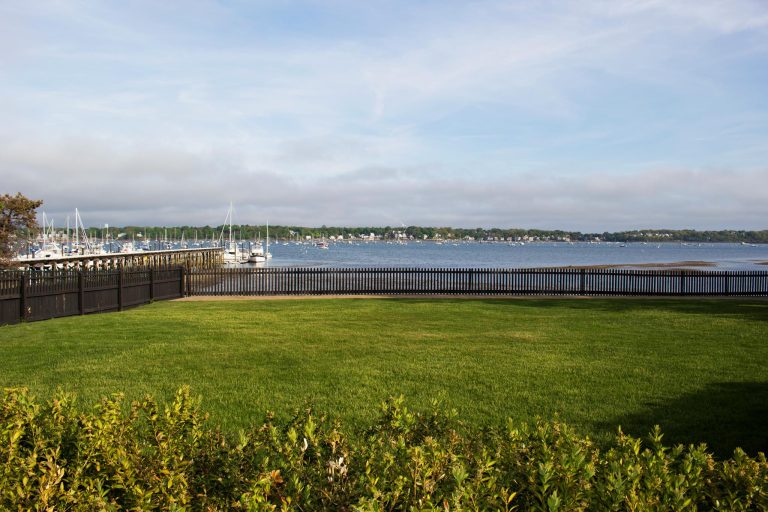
{"x": 699, "y": 368}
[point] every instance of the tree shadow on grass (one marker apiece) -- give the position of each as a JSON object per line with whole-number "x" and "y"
{"x": 747, "y": 308}
{"x": 722, "y": 415}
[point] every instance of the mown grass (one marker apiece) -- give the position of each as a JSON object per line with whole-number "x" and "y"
{"x": 699, "y": 368}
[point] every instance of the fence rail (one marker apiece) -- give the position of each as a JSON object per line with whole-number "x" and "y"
{"x": 41, "y": 295}
{"x": 474, "y": 281}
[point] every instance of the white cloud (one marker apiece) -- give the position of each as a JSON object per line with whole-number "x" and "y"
{"x": 148, "y": 185}
{"x": 122, "y": 110}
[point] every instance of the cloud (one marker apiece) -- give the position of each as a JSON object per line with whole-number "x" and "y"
{"x": 152, "y": 186}
{"x": 591, "y": 115}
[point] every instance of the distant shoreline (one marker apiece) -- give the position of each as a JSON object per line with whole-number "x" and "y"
{"x": 668, "y": 265}
{"x": 433, "y": 233}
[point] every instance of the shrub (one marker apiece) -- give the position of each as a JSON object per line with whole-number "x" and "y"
{"x": 141, "y": 456}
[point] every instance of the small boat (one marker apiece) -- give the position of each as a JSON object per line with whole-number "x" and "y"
{"x": 47, "y": 251}
{"x": 232, "y": 253}
{"x": 256, "y": 254}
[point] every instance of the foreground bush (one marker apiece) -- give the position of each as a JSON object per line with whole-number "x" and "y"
{"x": 53, "y": 457}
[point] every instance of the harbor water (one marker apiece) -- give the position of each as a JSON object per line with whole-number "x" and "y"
{"x": 712, "y": 256}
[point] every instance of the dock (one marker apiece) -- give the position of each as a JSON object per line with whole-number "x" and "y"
{"x": 198, "y": 258}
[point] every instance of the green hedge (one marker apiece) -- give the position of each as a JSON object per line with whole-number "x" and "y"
{"x": 144, "y": 457}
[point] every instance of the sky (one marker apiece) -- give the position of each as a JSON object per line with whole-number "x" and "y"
{"x": 584, "y": 115}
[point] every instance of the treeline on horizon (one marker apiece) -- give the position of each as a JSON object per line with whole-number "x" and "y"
{"x": 248, "y": 232}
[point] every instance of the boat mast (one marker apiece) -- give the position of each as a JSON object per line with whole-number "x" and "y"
{"x": 230, "y": 223}
{"x": 77, "y": 231}
{"x": 45, "y": 230}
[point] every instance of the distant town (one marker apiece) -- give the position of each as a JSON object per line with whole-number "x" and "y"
{"x": 249, "y": 232}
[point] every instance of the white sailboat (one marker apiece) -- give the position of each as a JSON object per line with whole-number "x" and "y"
{"x": 83, "y": 244}
{"x": 48, "y": 246}
{"x": 258, "y": 254}
{"x": 268, "y": 254}
{"x": 232, "y": 252}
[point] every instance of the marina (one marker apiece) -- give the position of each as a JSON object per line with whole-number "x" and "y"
{"x": 355, "y": 254}
{"x": 93, "y": 249}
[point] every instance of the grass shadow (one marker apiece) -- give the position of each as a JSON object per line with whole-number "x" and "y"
{"x": 722, "y": 415}
{"x": 746, "y": 308}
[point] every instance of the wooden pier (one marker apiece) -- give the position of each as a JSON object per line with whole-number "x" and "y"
{"x": 205, "y": 258}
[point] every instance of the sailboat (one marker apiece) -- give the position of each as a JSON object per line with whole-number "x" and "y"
{"x": 258, "y": 254}
{"x": 268, "y": 254}
{"x": 83, "y": 244}
{"x": 48, "y": 246}
{"x": 232, "y": 253}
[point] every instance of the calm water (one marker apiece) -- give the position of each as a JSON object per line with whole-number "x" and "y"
{"x": 498, "y": 255}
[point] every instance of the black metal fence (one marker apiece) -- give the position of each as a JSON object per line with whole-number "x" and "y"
{"x": 41, "y": 295}
{"x": 474, "y": 281}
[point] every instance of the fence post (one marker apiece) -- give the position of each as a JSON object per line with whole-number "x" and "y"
{"x": 151, "y": 284}
{"x": 682, "y": 282}
{"x": 182, "y": 275}
{"x": 120, "y": 289}
{"x": 81, "y": 292}
{"x": 582, "y": 281}
{"x": 23, "y": 313}
{"x": 188, "y": 274}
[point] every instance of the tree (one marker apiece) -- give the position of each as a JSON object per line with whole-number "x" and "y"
{"x": 16, "y": 214}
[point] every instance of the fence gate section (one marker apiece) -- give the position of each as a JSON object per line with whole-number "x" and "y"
{"x": 29, "y": 295}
